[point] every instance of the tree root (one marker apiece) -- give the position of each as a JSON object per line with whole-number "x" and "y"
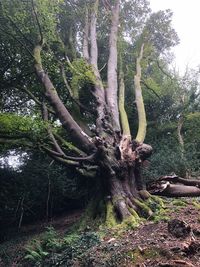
{"x": 132, "y": 210}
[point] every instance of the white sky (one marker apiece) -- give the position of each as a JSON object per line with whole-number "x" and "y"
{"x": 186, "y": 22}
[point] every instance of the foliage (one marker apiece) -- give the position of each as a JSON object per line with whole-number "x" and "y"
{"x": 167, "y": 151}
{"x": 14, "y": 125}
{"x": 51, "y": 249}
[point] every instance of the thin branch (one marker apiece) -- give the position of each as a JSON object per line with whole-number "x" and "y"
{"x": 45, "y": 116}
{"x": 59, "y": 152}
{"x": 164, "y": 72}
{"x": 71, "y": 66}
{"x": 16, "y": 142}
{"x": 103, "y": 67}
{"x": 71, "y": 92}
{"x": 65, "y": 161}
{"x": 38, "y": 23}
{"x": 150, "y": 88}
{"x": 59, "y": 157}
{"x": 69, "y": 146}
{"x": 63, "y": 156}
{"x": 37, "y": 101}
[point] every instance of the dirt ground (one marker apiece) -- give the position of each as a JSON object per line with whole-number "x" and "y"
{"x": 152, "y": 244}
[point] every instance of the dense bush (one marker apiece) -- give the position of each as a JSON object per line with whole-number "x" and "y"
{"x": 50, "y": 250}
{"x": 167, "y": 157}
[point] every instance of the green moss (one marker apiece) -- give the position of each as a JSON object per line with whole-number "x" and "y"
{"x": 131, "y": 222}
{"x": 134, "y": 255}
{"x": 179, "y": 203}
{"x": 89, "y": 219}
{"x": 110, "y": 215}
{"x": 154, "y": 203}
{"x": 137, "y": 256}
{"x": 160, "y": 215}
{"x": 145, "y": 211}
{"x": 196, "y": 205}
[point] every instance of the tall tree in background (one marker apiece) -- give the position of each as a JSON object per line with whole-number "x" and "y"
{"x": 83, "y": 122}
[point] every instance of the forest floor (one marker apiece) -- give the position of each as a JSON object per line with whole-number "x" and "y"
{"x": 171, "y": 241}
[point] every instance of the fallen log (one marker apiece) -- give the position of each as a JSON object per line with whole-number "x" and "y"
{"x": 176, "y": 179}
{"x": 174, "y": 186}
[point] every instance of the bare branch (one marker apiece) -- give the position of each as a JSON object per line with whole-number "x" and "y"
{"x": 163, "y": 71}
{"x": 111, "y": 92}
{"x": 150, "y": 88}
{"x": 64, "y": 116}
{"x": 37, "y": 101}
{"x": 86, "y": 37}
{"x": 139, "y": 100}
{"x": 69, "y": 146}
{"x": 122, "y": 111}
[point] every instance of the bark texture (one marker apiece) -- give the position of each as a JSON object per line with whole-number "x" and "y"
{"x": 64, "y": 116}
{"x": 111, "y": 91}
{"x": 139, "y": 100}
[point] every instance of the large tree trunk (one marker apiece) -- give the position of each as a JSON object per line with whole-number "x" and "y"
{"x": 120, "y": 179}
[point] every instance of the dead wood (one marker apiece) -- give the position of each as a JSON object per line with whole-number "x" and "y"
{"x": 174, "y": 186}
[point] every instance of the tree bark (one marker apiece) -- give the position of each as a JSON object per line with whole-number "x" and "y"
{"x": 121, "y": 179}
{"x": 174, "y": 186}
{"x": 64, "y": 116}
{"x": 139, "y": 100}
{"x": 99, "y": 92}
{"x": 86, "y": 37}
{"x": 111, "y": 91}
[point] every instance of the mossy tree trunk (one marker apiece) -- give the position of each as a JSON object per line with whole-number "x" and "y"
{"x": 120, "y": 178}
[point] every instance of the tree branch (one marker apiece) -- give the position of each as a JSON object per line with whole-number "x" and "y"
{"x": 98, "y": 93}
{"x": 71, "y": 92}
{"x": 69, "y": 146}
{"x": 122, "y": 111}
{"x": 19, "y": 30}
{"x": 86, "y": 36}
{"x": 139, "y": 100}
{"x": 37, "y": 101}
{"x": 150, "y": 88}
{"x": 111, "y": 92}
{"x": 77, "y": 134}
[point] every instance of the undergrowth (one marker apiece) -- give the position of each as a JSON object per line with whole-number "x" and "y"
{"x": 52, "y": 250}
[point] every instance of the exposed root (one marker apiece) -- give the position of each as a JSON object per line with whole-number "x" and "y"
{"x": 122, "y": 212}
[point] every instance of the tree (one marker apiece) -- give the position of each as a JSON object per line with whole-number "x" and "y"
{"x": 103, "y": 148}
